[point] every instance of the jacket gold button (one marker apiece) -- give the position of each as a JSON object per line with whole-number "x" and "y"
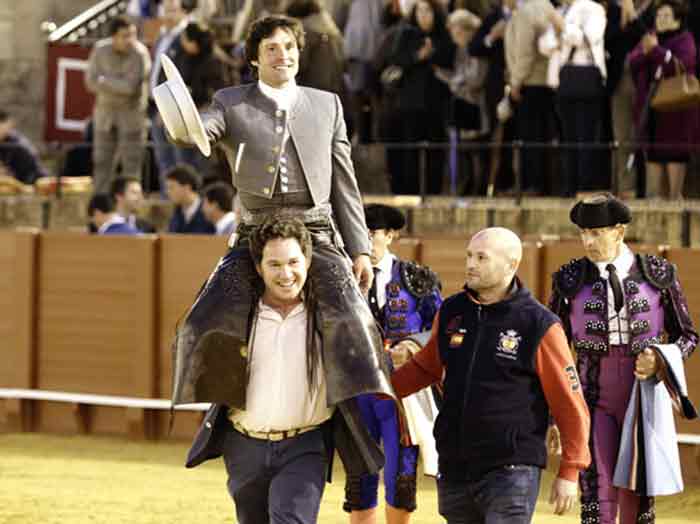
{"x": 275, "y": 149}
{"x": 279, "y": 129}
{"x": 266, "y": 190}
{"x": 244, "y": 349}
{"x": 270, "y": 169}
{"x": 208, "y": 425}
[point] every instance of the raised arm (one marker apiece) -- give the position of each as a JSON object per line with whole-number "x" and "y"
{"x": 214, "y": 119}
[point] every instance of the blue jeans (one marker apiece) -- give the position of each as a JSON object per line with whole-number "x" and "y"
{"x": 276, "y": 482}
{"x": 505, "y": 495}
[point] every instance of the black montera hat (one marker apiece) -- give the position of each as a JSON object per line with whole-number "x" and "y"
{"x": 602, "y": 210}
{"x": 379, "y": 216}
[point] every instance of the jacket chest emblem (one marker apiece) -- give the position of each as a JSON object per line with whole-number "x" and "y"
{"x": 508, "y": 344}
{"x": 457, "y": 338}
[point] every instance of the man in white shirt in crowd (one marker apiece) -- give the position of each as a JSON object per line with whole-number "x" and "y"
{"x": 218, "y": 207}
{"x": 128, "y": 199}
{"x": 104, "y": 219}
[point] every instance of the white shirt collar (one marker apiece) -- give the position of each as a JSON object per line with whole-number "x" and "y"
{"x": 224, "y": 222}
{"x": 270, "y": 313}
{"x": 191, "y": 209}
{"x": 623, "y": 262}
{"x": 116, "y": 219}
{"x": 284, "y": 97}
{"x": 386, "y": 263}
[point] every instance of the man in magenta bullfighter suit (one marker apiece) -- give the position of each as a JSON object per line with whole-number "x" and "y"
{"x": 614, "y": 304}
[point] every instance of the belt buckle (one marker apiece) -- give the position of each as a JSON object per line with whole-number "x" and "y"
{"x": 276, "y": 436}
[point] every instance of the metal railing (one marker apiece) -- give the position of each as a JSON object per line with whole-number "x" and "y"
{"x": 424, "y": 148}
{"x": 89, "y": 21}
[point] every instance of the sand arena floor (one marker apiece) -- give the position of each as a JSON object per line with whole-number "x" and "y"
{"x": 51, "y": 479}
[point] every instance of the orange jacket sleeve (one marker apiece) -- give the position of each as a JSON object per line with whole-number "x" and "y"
{"x": 424, "y": 368}
{"x": 562, "y": 390}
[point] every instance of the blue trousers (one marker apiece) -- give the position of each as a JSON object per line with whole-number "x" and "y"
{"x": 505, "y": 495}
{"x": 381, "y": 418}
{"x": 276, "y": 482}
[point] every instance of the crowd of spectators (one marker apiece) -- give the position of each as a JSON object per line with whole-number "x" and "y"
{"x": 446, "y": 85}
{"x": 436, "y": 72}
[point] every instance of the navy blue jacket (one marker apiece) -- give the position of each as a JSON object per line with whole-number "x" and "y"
{"x": 198, "y": 224}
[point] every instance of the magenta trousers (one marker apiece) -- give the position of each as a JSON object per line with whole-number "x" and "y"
{"x": 615, "y": 386}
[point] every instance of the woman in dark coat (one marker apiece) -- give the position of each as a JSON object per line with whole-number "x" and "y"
{"x": 322, "y": 61}
{"x": 671, "y": 135}
{"x": 421, "y": 99}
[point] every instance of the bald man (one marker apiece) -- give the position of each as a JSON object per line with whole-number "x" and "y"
{"x": 505, "y": 364}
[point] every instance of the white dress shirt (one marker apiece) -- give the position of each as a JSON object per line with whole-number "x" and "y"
{"x": 278, "y": 397}
{"x": 284, "y": 97}
{"x": 225, "y": 224}
{"x": 618, "y": 323}
{"x": 584, "y": 32}
{"x": 115, "y": 219}
{"x": 383, "y": 277}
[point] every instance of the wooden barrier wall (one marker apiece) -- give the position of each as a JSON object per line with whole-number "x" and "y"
{"x": 17, "y": 310}
{"x": 688, "y": 261}
{"x": 185, "y": 263}
{"x": 97, "y": 315}
{"x": 95, "y": 327}
{"x": 445, "y": 256}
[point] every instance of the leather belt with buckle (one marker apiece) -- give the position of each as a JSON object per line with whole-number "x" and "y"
{"x": 274, "y": 436}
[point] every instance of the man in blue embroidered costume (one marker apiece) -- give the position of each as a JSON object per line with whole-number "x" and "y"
{"x": 614, "y": 304}
{"x": 404, "y": 298}
{"x": 292, "y": 159}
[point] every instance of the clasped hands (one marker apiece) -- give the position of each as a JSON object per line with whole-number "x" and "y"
{"x": 402, "y": 352}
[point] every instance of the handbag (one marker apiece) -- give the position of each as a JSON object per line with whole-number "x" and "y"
{"x": 678, "y": 92}
{"x": 390, "y": 78}
{"x": 580, "y": 82}
{"x": 391, "y": 75}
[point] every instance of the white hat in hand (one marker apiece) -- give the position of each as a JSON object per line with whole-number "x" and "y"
{"x": 177, "y": 109}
